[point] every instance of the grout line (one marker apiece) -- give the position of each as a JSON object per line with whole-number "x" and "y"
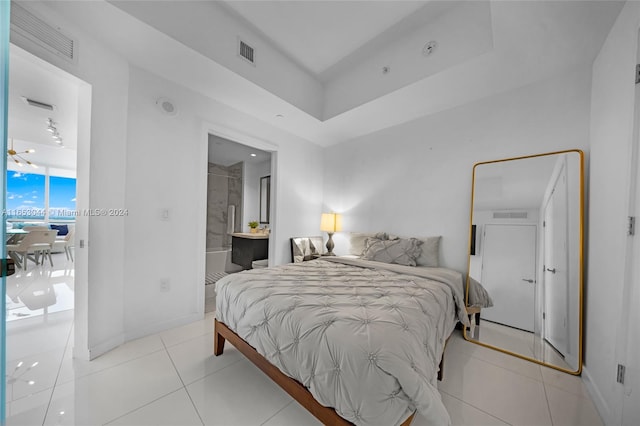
{"x": 142, "y": 406}
{"x": 91, "y": 373}
{"x": 55, "y": 383}
{"x": 546, "y": 397}
{"x": 477, "y": 408}
{"x": 182, "y": 381}
{"x": 277, "y": 412}
{"x": 166, "y": 345}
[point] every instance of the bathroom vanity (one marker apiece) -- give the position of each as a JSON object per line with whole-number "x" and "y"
{"x": 246, "y": 247}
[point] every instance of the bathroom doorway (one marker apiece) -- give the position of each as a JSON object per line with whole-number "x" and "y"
{"x": 234, "y": 174}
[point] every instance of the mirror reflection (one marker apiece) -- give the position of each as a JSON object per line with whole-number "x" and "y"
{"x": 526, "y": 251}
{"x": 265, "y": 198}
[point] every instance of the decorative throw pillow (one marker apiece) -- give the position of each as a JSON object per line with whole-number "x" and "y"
{"x": 357, "y": 241}
{"x": 62, "y": 229}
{"x": 401, "y": 251}
{"x": 301, "y": 249}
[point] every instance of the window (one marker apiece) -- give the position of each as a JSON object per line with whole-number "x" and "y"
{"x": 26, "y": 197}
{"x": 62, "y": 198}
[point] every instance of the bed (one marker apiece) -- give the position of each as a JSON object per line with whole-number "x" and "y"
{"x": 354, "y": 341}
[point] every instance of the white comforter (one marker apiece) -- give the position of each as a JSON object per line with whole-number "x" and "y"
{"x": 365, "y": 338}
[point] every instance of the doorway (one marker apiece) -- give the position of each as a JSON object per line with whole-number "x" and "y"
{"x": 235, "y": 198}
{"x": 47, "y": 116}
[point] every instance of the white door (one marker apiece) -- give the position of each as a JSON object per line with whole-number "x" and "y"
{"x": 509, "y": 273}
{"x": 631, "y": 396}
{"x": 555, "y": 274}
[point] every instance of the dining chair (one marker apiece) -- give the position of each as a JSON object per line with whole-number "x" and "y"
{"x": 34, "y": 244}
{"x": 66, "y": 243}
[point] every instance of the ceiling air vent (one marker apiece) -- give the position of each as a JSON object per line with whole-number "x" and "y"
{"x": 25, "y": 25}
{"x": 38, "y": 104}
{"x": 509, "y": 215}
{"x": 247, "y": 52}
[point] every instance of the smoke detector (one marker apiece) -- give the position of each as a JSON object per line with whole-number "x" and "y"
{"x": 429, "y": 48}
{"x": 167, "y": 106}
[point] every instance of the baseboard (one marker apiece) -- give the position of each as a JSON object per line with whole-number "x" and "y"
{"x": 596, "y": 396}
{"x": 106, "y": 346}
{"x": 162, "y": 326}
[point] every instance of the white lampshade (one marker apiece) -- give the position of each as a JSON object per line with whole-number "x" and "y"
{"x": 331, "y": 222}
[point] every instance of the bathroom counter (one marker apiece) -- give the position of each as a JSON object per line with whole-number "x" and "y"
{"x": 250, "y": 236}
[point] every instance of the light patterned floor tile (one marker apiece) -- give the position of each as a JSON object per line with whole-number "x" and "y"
{"x": 171, "y": 410}
{"x": 238, "y": 395}
{"x": 111, "y": 393}
{"x": 194, "y": 359}
{"x": 187, "y": 332}
{"x": 293, "y": 415}
{"x": 570, "y": 409}
{"x": 509, "y": 396}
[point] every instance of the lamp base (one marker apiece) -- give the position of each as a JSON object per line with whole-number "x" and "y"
{"x": 330, "y": 245}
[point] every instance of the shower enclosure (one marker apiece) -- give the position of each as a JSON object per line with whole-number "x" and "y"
{"x": 224, "y": 204}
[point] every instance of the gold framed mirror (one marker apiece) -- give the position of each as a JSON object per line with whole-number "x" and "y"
{"x": 526, "y": 253}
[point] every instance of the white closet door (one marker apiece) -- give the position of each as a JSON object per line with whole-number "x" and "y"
{"x": 508, "y": 274}
{"x": 556, "y": 274}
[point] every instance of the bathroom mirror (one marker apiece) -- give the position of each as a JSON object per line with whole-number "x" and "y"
{"x": 526, "y": 234}
{"x": 265, "y": 198}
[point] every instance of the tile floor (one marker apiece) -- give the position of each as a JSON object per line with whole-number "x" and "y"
{"x": 172, "y": 378}
{"x": 520, "y": 342}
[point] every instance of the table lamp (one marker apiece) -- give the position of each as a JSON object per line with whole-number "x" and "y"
{"x": 330, "y": 223}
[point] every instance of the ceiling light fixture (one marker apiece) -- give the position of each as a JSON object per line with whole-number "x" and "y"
{"x": 17, "y": 158}
{"x": 253, "y": 155}
{"x": 54, "y": 131}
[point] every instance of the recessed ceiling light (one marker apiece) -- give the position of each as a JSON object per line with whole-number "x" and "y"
{"x": 253, "y": 155}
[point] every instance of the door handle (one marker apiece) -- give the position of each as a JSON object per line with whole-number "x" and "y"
{"x": 529, "y": 281}
{"x": 553, "y": 270}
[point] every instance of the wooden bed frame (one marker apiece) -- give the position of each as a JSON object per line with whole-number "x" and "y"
{"x": 326, "y": 415}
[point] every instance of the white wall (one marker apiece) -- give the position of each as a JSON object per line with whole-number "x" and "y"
{"x": 612, "y": 119}
{"x": 133, "y": 157}
{"x": 166, "y": 169}
{"x": 415, "y": 179}
{"x": 101, "y": 184}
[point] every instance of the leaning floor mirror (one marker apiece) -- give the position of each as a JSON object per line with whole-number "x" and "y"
{"x": 525, "y": 248}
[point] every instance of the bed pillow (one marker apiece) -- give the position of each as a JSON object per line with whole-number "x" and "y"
{"x": 401, "y": 251}
{"x": 430, "y": 255}
{"x": 357, "y": 241}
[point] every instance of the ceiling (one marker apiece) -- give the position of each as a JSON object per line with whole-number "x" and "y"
{"x": 337, "y": 51}
{"x": 509, "y": 185}
{"x": 31, "y": 78}
{"x": 226, "y": 153}
{"x": 318, "y": 34}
